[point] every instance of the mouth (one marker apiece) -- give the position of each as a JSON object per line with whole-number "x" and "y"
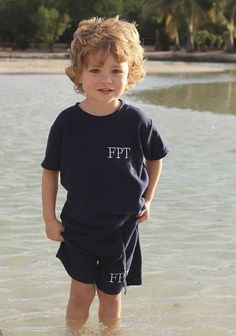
{"x": 105, "y": 90}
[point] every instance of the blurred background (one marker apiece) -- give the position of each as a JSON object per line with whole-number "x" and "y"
{"x": 163, "y": 24}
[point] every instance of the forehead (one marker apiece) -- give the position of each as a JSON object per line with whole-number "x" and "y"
{"x": 100, "y": 57}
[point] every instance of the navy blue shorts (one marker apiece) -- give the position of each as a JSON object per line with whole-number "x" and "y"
{"x": 111, "y": 261}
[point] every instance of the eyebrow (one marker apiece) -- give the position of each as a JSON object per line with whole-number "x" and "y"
{"x": 92, "y": 65}
{"x": 101, "y": 64}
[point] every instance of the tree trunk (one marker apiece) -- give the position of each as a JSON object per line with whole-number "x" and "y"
{"x": 190, "y": 45}
{"x": 157, "y": 45}
{"x": 177, "y": 43}
{"x": 231, "y": 27}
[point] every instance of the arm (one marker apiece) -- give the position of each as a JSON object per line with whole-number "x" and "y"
{"x": 154, "y": 168}
{"x": 49, "y": 194}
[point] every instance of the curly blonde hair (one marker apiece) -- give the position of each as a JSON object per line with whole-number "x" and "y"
{"x": 112, "y": 35}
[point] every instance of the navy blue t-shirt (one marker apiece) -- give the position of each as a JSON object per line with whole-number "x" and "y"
{"x": 101, "y": 159}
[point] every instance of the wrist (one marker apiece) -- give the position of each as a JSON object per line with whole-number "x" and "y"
{"x": 148, "y": 199}
{"x": 49, "y": 219}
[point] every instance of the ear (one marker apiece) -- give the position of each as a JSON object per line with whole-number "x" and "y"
{"x": 79, "y": 79}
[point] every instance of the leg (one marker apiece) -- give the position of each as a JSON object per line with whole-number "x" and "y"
{"x": 81, "y": 297}
{"x": 109, "y": 328}
{"x": 109, "y": 307}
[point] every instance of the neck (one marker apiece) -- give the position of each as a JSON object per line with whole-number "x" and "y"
{"x": 100, "y": 109}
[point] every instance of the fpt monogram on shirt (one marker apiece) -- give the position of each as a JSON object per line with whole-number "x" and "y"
{"x": 118, "y": 152}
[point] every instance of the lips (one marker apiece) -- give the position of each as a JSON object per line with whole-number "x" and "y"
{"x": 105, "y": 90}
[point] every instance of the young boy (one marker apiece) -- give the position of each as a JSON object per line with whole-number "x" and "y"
{"x": 99, "y": 146}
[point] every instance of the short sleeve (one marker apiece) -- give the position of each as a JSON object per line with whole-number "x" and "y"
{"x": 152, "y": 144}
{"x": 52, "y": 159}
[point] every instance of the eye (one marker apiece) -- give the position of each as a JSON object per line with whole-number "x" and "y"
{"x": 94, "y": 70}
{"x": 117, "y": 71}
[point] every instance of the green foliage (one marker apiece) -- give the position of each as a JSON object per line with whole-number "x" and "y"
{"x": 106, "y": 8}
{"x": 51, "y": 25}
{"x": 162, "y": 22}
{"x": 204, "y": 39}
{"x": 17, "y": 21}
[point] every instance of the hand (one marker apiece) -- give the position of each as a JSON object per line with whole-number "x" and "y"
{"x": 54, "y": 230}
{"x": 144, "y": 215}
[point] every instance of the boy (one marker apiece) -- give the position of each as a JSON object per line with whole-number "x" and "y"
{"x": 99, "y": 146}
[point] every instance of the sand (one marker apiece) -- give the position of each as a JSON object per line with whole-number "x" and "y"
{"x": 48, "y": 63}
{"x": 57, "y": 66}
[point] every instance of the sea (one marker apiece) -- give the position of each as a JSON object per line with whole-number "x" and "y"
{"x": 189, "y": 242}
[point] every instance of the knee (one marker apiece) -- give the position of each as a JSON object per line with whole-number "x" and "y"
{"x": 108, "y": 299}
{"x": 82, "y": 294}
{"x": 109, "y": 305}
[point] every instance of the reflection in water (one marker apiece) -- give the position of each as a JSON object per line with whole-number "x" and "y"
{"x": 213, "y": 97}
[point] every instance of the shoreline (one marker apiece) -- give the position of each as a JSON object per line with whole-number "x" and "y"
{"x": 39, "y": 62}
{"x": 218, "y": 56}
{"x": 149, "y": 54}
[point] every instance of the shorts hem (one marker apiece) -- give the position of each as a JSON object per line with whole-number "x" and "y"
{"x": 109, "y": 292}
{"x": 116, "y": 292}
{"x": 75, "y": 277}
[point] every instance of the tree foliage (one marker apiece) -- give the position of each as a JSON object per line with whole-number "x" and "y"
{"x": 17, "y": 21}
{"x": 51, "y": 25}
{"x": 164, "y": 22}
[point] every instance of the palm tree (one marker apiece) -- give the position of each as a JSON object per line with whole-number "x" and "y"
{"x": 195, "y": 16}
{"x": 224, "y": 13}
{"x": 231, "y": 24}
{"x": 172, "y": 11}
{"x": 175, "y": 12}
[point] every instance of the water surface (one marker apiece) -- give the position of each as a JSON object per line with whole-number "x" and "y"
{"x": 189, "y": 244}
{"x": 213, "y": 92}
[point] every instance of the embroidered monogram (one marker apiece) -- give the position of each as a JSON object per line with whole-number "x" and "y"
{"x": 116, "y": 277}
{"x": 118, "y": 152}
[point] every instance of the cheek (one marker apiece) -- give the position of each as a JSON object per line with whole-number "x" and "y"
{"x": 86, "y": 82}
{"x": 125, "y": 81}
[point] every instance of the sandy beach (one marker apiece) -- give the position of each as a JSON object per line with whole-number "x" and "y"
{"x": 13, "y": 62}
{"x": 57, "y": 66}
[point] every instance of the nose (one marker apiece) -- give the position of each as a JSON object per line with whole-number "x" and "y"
{"x": 105, "y": 77}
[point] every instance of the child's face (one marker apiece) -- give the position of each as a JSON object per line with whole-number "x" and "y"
{"x": 104, "y": 80}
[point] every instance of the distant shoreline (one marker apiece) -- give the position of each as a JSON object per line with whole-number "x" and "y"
{"x": 40, "y": 62}
{"x": 197, "y": 56}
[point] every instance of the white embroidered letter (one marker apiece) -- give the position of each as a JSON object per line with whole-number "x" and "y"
{"x": 127, "y": 149}
{"x": 111, "y": 151}
{"x": 120, "y": 150}
{"x": 113, "y": 277}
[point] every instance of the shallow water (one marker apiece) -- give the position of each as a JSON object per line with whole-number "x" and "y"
{"x": 189, "y": 244}
{"x": 213, "y": 92}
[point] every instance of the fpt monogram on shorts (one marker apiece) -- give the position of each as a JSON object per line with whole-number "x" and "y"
{"x": 117, "y": 277}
